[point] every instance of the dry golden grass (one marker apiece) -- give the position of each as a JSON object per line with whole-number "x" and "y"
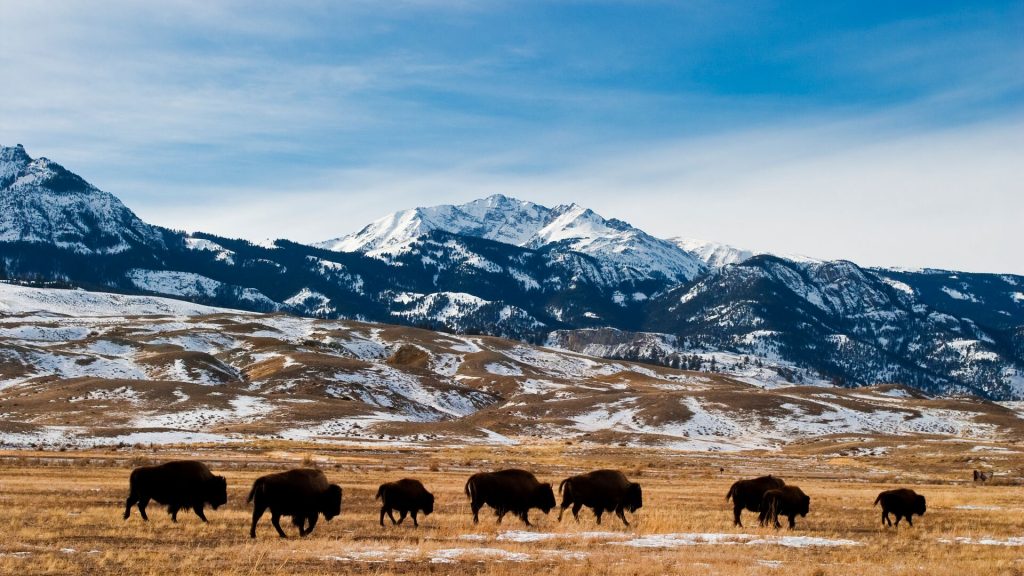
{"x": 62, "y": 513}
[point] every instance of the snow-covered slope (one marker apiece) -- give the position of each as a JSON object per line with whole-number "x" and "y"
{"x": 511, "y": 221}
{"x": 714, "y": 254}
{"x": 15, "y": 299}
{"x": 163, "y": 373}
{"x": 41, "y": 202}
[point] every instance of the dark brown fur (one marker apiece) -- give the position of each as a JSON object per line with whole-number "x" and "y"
{"x": 786, "y": 501}
{"x": 179, "y": 484}
{"x": 903, "y": 503}
{"x": 408, "y": 497}
{"x": 601, "y": 491}
{"x": 515, "y": 491}
{"x": 749, "y": 493}
{"x": 302, "y": 493}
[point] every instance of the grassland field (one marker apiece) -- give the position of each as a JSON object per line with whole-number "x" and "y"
{"x": 61, "y": 513}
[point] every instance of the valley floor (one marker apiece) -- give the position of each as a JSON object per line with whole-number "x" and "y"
{"x": 62, "y": 513}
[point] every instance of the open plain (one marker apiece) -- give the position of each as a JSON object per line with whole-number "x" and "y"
{"x": 62, "y": 512}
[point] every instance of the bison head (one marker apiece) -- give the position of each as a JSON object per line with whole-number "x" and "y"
{"x": 805, "y": 505}
{"x": 428, "y": 504}
{"x": 216, "y": 491}
{"x": 634, "y": 497}
{"x": 330, "y": 501}
{"x": 919, "y": 505}
{"x": 544, "y": 498}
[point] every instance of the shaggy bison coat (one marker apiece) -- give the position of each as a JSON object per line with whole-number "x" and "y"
{"x": 903, "y": 503}
{"x": 408, "y": 497}
{"x": 514, "y": 491}
{"x": 786, "y": 501}
{"x": 179, "y": 484}
{"x": 601, "y": 491}
{"x": 749, "y": 493}
{"x": 302, "y": 493}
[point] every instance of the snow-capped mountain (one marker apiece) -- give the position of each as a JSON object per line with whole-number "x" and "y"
{"x": 510, "y": 221}
{"x": 562, "y": 275}
{"x": 713, "y": 254}
{"x": 42, "y": 202}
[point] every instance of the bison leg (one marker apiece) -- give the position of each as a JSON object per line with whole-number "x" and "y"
{"x": 885, "y": 518}
{"x": 576, "y": 511}
{"x": 910, "y": 519}
{"x": 312, "y": 522}
{"x": 391, "y": 515}
{"x": 198, "y": 509}
{"x": 476, "y": 512}
{"x": 383, "y": 511}
{"x": 501, "y": 514}
{"x": 898, "y": 518}
{"x": 525, "y": 517}
{"x": 620, "y": 512}
{"x": 173, "y": 509}
{"x": 128, "y": 505}
{"x": 257, "y": 512}
{"x": 401, "y": 515}
{"x": 792, "y": 521}
{"x": 143, "y": 502}
{"x": 275, "y": 519}
{"x": 415, "y": 523}
{"x": 597, "y": 514}
{"x": 736, "y": 510}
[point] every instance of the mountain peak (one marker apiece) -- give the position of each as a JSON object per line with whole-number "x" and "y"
{"x": 518, "y": 222}
{"x": 43, "y": 202}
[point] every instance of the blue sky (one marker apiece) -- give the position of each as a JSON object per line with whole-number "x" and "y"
{"x": 889, "y": 133}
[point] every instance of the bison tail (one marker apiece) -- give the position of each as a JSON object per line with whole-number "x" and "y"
{"x": 380, "y": 493}
{"x": 256, "y": 486}
{"x": 877, "y": 500}
{"x": 470, "y": 488}
{"x": 562, "y": 485}
{"x": 732, "y": 490}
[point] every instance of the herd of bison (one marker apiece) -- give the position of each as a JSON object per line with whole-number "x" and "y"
{"x": 304, "y": 494}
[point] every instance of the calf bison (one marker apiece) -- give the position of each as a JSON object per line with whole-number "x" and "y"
{"x": 903, "y": 502}
{"x": 507, "y": 491}
{"x": 749, "y": 493}
{"x": 302, "y": 493}
{"x": 408, "y": 496}
{"x": 786, "y": 501}
{"x": 601, "y": 491}
{"x": 179, "y": 484}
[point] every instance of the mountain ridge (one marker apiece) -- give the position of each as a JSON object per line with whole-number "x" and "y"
{"x": 520, "y": 270}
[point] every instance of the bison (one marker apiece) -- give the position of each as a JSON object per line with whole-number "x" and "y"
{"x": 749, "y": 493}
{"x": 178, "y": 484}
{"x": 786, "y": 501}
{"x": 408, "y": 496}
{"x": 301, "y": 493}
{"x": 601, "y": 491}
{"x": 903, "y": 502}
{"x": 512, "y": 490}
{"x": 981, "y": 476}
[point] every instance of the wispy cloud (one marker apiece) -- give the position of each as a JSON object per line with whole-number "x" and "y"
{"x": 790, "y": 128}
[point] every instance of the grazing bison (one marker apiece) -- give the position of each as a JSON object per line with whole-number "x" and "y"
{"x": 179, "y": 484}
{"x": 601, "y": 491}
{"x": 903, "y": 502}
{"x": 786, "y": 501}
{"x": 302, "y": 493}
{"x": 408, "y": 496}
{"x": 980, "y": 476}
{"x": 749, "y": 493}
{"x": 514, "y": 491}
